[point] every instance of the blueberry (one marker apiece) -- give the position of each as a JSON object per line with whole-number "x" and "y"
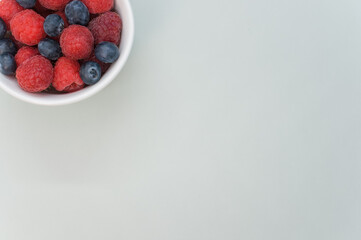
{"x": 107, "y": 52}
{"x": 7, "y": 64}
{"x": 53, "y": 25}
{"x": 77, "y": 13}
{"x": 2, "y": 28}
{"x": 26, "y": 3}
{"x": 49, "y": 48}
{"x": 90, "y": 73}
{"x": 7, "y": 46}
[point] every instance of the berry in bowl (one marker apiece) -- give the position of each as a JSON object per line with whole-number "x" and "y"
{"x": 56, "y": 52}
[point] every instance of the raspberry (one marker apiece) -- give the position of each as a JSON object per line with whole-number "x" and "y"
{"x": 24, "y": 54}
{"x": 107, "y": 27}
{"x": 98, "y": 6}
{"x": 35, "y": 74}
{"x": 73, "y": 88}
{"x": 41, "y": 10}
{"x": 27, "y": 27}
{"x": 8, "y": 8}
{"x": 77, "y": 42}
{"x": 17, "y": 43}
{"x": 62, "y": 15}
{"x": 66, "y": 75}
{"x": 54, "y": 4}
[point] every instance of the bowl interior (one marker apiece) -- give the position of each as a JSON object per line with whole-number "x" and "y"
{"x": 10, "y": 85}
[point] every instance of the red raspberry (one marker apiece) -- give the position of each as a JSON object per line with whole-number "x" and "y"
{"x": 98, "y": 6}
{"x": 106, "y": 27}
{"x": 62, "y": 15}
{"x": 73, "y": 88}
{"x": 77, "y": 42}
{"x": 17, "y": 43}
{"x": 41, "y": 10}
{"x": 8, "y": 8}
{"x": 24, "y": 54}
{"x": 35, "y": 74}
{"x": 27, "y": 27}
{"x": 66, "y": 75}
{"x": 54, "y": 4}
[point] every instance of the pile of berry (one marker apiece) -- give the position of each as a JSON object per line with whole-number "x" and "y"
{"x": 58, "y": 45}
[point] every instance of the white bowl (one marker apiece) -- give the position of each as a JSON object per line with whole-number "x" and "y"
{"x": 9, "y": 84}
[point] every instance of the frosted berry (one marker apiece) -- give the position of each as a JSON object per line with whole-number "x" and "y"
{"x": 7, "y": 46}
{"x": 53, "y": 25}
{"x": 77, "y": 13}
{"x": 106, "y": 52}
{"x": 62, "y": 15}
{"x": 103, "y": 66}
{"x": 50, "y": 49}
{"x": 26, "y": 3}
{"x": 7, "y": 64}
{"x": 2, "y": 29}
{"x": 90, "y": 73}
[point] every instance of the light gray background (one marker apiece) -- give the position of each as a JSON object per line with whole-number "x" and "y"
{"x": 232, "y": 120}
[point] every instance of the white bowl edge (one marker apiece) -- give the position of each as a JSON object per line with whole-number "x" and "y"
{"x": 10, "y": 85}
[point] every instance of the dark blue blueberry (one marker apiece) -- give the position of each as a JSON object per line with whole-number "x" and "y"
{"x": 90, "y": 73}
{"x": 26, "y": 3}
{"x": 7, "y": 46}
{"x": 2, "y": 28}
{"x": 49, "y": 48}
{"x": 53, "y": 25}
{"x": 107, "y": 52}
{"x": 7, "y": 64}
{"x": 77, "y": 13}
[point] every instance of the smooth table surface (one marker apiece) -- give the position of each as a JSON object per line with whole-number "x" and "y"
{"x": 232, "y": 120}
